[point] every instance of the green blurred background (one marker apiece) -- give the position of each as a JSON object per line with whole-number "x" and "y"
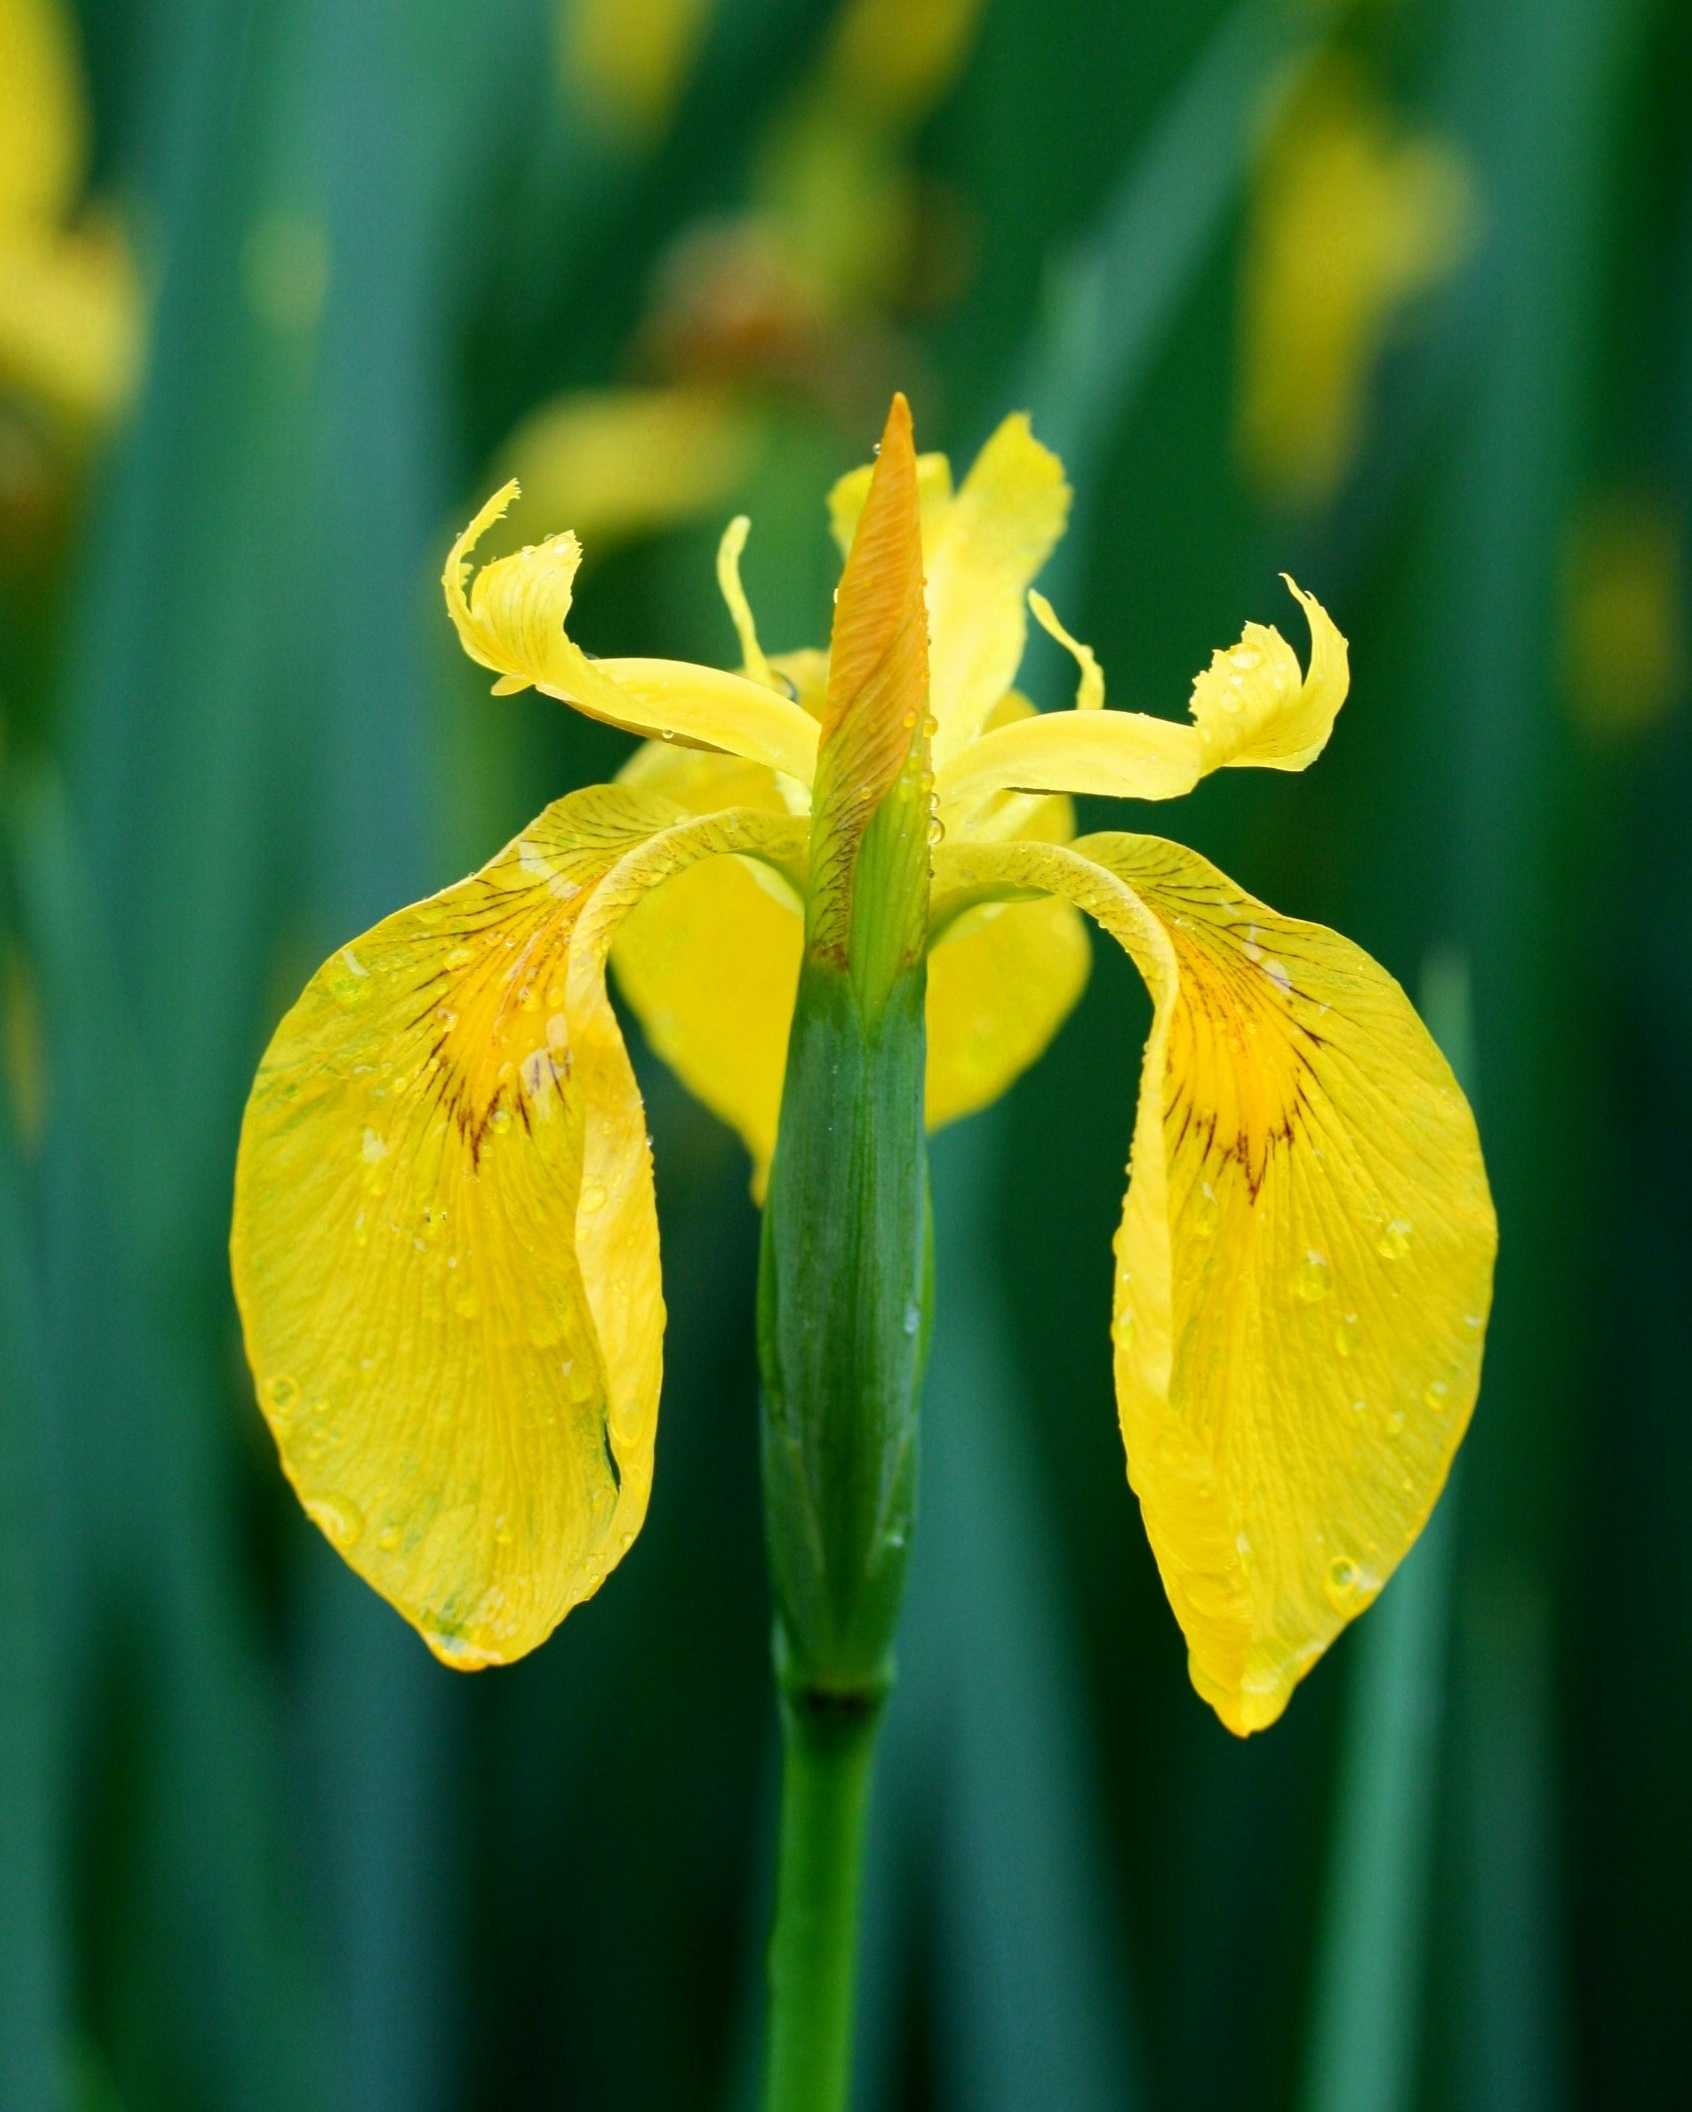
{"x": 1396, "y": 296}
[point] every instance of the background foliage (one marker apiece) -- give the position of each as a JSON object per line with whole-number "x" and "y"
{"x": 256, "y": 1849}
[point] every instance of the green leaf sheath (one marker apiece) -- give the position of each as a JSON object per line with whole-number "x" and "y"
{"x": 843, "y": 1310}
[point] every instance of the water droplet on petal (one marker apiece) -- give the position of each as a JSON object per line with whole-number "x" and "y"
{"x": 593, "y": 1197}
{"x": 1313, "y": 1280}
{"x": 1438, "y": 1396}
{"x": 283, "y": 1395}
{"x": 1394, "y": 1242}
{"x": 336, "y": 1516}
{"x": 500, "y": 1121}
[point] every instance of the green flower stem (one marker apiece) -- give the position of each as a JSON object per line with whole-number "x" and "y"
{"x": 828, "y": 1754}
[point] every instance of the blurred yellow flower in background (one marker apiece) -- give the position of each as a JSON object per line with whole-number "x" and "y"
{"x": 1625, "y": 636}
{"x": 69, "y": 303}
{"x": 1352, "y": 217}
{"x": 791, "y": 297}
{"x": 445, "y": 1243}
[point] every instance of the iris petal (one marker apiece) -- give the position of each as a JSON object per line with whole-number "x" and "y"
{"x": 511, "y": 618}
{"x": 444, "y": 1245}
{"x": 1304, "y": 1263}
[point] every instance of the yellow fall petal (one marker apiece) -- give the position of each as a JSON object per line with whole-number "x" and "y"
{"x": 1304, "y": 1261}
{"x": 511, "y": 621}
{"x": 444, "y": 1247}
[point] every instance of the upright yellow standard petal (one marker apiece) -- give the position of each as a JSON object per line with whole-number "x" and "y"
{"x": 511, "y": 617}
{"x": 1304, "y": 1264}
{"x": 991, "y": 543}
{"x": 444, "y": 1245}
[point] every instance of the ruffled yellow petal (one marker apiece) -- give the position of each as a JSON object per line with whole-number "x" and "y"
{"x": 512, "y": 621}
{"x": 1304, "y": 1261}
{"x": 1253, "y": 708}
{"x": 724, "y": 1035}
{"x": 444, "y": 1245}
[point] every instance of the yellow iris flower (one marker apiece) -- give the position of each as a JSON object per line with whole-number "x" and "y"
{"x": 69, "y": 304}
{"x": 445, "y": 1242}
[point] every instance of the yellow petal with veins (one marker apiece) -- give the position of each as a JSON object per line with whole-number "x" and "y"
{"x": 444, "y": 1246}
{"x": 511, "y": 620}
{"x": 1304, "y": 1264}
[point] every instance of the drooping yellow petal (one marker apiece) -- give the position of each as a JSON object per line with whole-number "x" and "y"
{"x": 444, "y": 1247}
{"x": 1304, "y": 1261}
{"x": 1253, "y": 708}
{"x": 723, "y": 1034}
{"x": 512, "y": 621}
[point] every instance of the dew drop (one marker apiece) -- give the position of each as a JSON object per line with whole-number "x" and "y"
{"x": 336, "y": 1516}
{"x": 1312, "y": 1280}
{"x": 1438, "y": 1397}
{"x": 931, "y": 726}
{"x": 1245, "y": 658}
{"x": 936, "y": 829}
{"x": 912, "y": 1317}
{"x": 1204, "y": 1211}
{"x": 1340, "y": 1584}
{"x": 1394, "y": 1242}
{"x": 459, "y": 957}
{"x": 388, "y": 1539}
{"x": 372, "y": 1149}
{"x": 593, "y": 1197}
{"x": 1395, "y": 1422}
{"x": 283, "y": 1394}
{"x": 1345, "y": 1336}
{"x": 500, "y": 1121}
